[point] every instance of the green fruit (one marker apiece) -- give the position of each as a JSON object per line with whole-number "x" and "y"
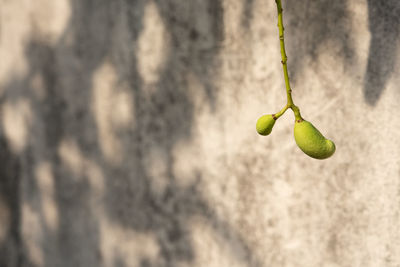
{"x": 311, "y": 141}
{"x": 265, "y": 123}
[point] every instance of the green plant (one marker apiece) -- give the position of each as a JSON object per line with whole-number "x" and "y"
{"x": 307, "y": 137}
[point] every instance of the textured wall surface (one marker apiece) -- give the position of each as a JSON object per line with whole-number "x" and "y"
{"x": 127, "y": 134}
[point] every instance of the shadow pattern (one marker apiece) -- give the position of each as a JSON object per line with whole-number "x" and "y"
{"x": 10, "y": 213}
{"x": 318, "y": 23}
{"x": 162, "y": 118}
{"x": 384, "y": 21}
{"x": 313, "y": 27}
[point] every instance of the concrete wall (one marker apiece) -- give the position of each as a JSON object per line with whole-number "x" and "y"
{"x": 127, "y": 134}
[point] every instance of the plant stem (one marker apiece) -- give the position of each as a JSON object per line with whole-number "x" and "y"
{"x": 290, "y": 103}
{"x": 280, "y": 113}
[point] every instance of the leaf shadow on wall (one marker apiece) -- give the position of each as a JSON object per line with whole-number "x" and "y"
{"x": 9, "y": 206}
{"x": 318, "y": 22}
{"x": 64, "y": 147}
{"x": 314, "y": 26}
{"x": 384, "y": 21}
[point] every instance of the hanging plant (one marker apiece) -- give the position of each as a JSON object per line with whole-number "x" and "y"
{"x": 307, "y": 137}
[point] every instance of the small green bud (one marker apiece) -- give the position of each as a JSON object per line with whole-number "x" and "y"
{"x": 265, "y": 123}
{"x": 311, "y": 141}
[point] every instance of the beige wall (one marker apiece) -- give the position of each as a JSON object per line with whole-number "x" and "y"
{"x": 127, "y": 134}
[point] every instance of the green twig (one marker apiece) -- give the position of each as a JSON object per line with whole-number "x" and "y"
{"x": 290, "y": 103}
{"x": 280, "y": 113}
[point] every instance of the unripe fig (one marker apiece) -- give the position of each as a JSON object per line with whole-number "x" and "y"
{"x": 311, "y": 141}
{"x": 265, "y": 123}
